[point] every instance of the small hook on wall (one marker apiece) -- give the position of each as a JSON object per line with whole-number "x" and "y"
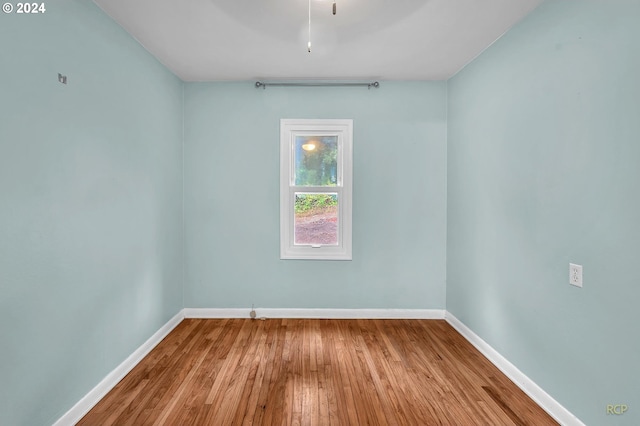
{"x": 62, "y": 78}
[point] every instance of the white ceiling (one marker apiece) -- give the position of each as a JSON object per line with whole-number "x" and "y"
{"x": 213, "y": 40}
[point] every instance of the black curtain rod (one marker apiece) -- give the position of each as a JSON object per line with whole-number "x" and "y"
{"x": 369, "y": 85}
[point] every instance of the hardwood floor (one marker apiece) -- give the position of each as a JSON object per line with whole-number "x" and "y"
{"x": 316, "y": 372}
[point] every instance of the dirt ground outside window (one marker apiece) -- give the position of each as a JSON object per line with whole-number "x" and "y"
{"x": 317, "y": 226}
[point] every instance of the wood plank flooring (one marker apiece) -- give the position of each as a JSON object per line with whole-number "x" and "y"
{"x": 315, "y": 372}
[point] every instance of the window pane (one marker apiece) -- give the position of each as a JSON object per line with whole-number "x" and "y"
{"x": 316, "y": 218}
{"x": 316, "y": 159}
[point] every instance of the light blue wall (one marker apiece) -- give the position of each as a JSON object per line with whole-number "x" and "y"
{"x": 543, "y": 170}
{"x": 90, "y": 205}
{"x": 232, "y": 198}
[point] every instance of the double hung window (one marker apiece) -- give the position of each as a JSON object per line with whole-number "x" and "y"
{"x": 315, "y": 189}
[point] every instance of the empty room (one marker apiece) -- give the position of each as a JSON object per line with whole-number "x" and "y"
{"x": 349, "y": 212}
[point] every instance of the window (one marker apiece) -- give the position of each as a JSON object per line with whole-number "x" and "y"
{"x": 315, "y": 189}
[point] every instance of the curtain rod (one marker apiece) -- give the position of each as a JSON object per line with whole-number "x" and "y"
{"x": 369, "y": 85}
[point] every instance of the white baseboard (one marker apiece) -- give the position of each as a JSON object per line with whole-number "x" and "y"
{"x": 535, "y": 392}
{"x": 317, "y": 313}
{"x": 83, "y": 406}
{"x": 216, "y": 313}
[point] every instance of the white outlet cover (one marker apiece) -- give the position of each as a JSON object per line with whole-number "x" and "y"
{"x": 575, "y": 275}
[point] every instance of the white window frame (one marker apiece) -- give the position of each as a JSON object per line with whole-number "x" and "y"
{"x": 289, "y": 129}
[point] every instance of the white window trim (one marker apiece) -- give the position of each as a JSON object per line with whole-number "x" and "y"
{"x": 289, "y": 129}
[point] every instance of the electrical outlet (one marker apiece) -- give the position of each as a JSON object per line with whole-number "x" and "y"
{"x": 575, "y": 275}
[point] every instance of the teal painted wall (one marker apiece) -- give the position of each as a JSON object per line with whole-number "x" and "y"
{"x": 90, "y": 205}
{"x": 232, "y": 256}
{"x": 543, "y": 170}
